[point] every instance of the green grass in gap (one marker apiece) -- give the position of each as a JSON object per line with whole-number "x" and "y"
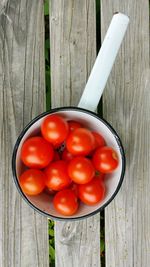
{"x": 48, "y": 106}
{"x": 100, "y": 112}
{"x": 47, "y": 56}
{"x": 51, "y": 243}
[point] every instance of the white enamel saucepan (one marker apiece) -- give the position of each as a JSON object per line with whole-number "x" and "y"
{"x": 84, "y": 113}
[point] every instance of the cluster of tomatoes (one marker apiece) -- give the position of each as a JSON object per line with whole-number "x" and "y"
{"x": 72, "y": 174}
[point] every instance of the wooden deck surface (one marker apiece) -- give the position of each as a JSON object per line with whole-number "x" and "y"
{"x": 126, "y": 105}
{"x": 23, "y": 232}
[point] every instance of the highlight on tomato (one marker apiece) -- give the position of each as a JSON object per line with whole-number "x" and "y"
{"x": 93, "y": 192}
{"x": 54, "y": 129}
{"x": 56, "y": 175}
{"x": 80, "y": 142}
{"x": 66, "y": 202}
{"x": 81, "y": 170}
{"x": 36, "y": 152}
{"x": 105, "y": 159}
{"x": 32, "y": 182}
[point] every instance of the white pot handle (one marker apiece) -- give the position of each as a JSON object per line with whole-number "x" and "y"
{"x": 104, "y": 62}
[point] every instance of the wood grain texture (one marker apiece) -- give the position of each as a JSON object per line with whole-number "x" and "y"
{"x": 73, "y": 51}
{"x": 126, "y": 105}
{"x": 73, "y": 48}
{"x": 23, "y": 233}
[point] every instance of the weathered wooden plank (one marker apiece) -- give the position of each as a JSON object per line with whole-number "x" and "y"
{"x": 23, "y": 233}
{"x": 73, "y": 50}
{"x": 126, "y": 105}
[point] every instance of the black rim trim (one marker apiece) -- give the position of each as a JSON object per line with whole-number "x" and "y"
{"x": 54, "y": 111}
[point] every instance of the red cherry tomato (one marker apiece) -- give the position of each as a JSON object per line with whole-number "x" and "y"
{"x": 54, "y": 129}
{"x": 32, "y": 182}
{"x": 99, "y": 140}
{"x": 74, "y": 188}
{"x": 81, "y": 170}
{"x": 105, "y": 159}
{"x": 66, "y": 155}
{"x": 73, "y": 125}
{"x": 56, "y": 175}
{"x": 100, "y": 175}
{"x": 66, "y": 202}
{"x": 36, "y": 152}
{"x": 56, "y": 156}
{"x": 92, "y": 192}
{"x": 80, "y": 142}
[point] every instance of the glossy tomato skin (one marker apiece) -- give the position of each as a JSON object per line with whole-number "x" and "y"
{"x": 54, "y": 129}
{"x": 92, "y": 192}
{"x": 66, "y": 202}
{"x": 81, "y": 170}
{"x": 105, "y": 159}
{"x": 80, "y": 142}
{"x": 66, "y": 155}
{"x": 36, "y": 152}
{"x": 74, "y": 188}
{"x": 99, "y": 140}
{"x": 73, "y": 125}
{"x": 56, "y": 175}
{"x": 32, "y": 182}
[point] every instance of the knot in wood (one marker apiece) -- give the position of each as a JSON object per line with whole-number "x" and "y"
{"x": 68, "y": 233}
